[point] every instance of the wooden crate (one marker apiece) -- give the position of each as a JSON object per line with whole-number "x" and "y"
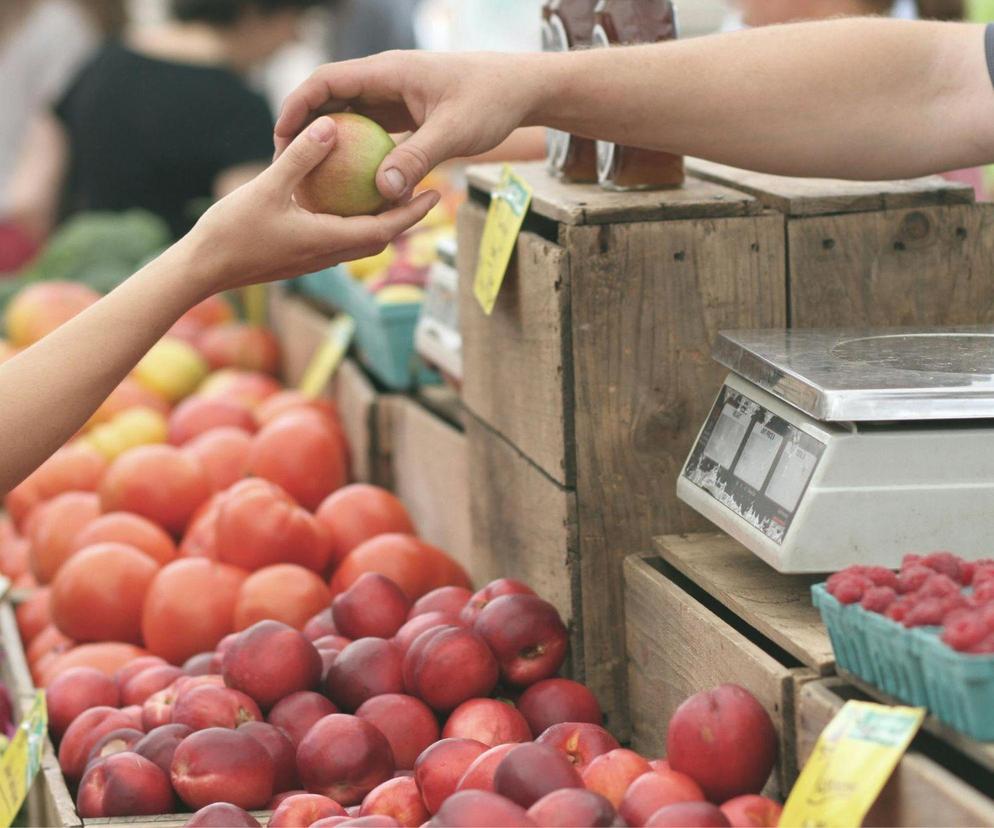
{"x": 702, "y": 611}
{"x": 931, "y": 786}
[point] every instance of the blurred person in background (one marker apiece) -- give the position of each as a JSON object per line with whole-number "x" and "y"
{"x": 33, "y": 75}
{"x": 365, "y": 27}
{"x": 161, "y": 119}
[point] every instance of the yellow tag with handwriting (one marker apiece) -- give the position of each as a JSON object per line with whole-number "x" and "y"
{"x": 508, "y": 206}
{"x": 850, "y": 764}
{"x": 255, "y": 300}
{"x": 328, "y": 356}
{"x": 21, "y": 760}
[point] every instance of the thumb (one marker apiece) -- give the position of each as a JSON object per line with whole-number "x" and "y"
{"x": 306, "y": 151}
{"x": 414, "y": 158}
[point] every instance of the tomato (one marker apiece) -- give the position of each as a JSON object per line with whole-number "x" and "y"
{"x": 134, "y": 530}
{"x": 240, "y": 345}
{"x": 53, "y": 527}
{"x": 41, "y": 307}
{"x": 284, "y": 592}
{"x": 214, "y": 310}
{"x": 14, "y": 557}
{"x": 199, "y": 415}
{"x": 223, "y": 453}
{"x": 289, "y": 400}
{"x": 248, "y": 387}
{"x": 33, "y": 615}
{"x": 108, "y": 657}
{"x": 200, "y": 540}
{"x": 76, "y": 467}
{"x": 49, "y": 640}
{"x": 359, "y": 512}
{"x": 129, "y": 394}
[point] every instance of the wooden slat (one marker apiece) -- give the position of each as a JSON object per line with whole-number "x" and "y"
{"x": 430, "y": 470}
{"x": 920, "y": 793}
{"x": 516, "y": 361}
{"x": 820, "y": 196}
{"x": 677, "y": 647}
{"x": 524, "y": 526}
{"x": 356, "y": 400}
{"x": 648, "y": 300}
{"x": 779, "y": 606}
{"x": 301, "y": 330}
{"x": 922, "y": 267}
{"x": 589, "y": 204}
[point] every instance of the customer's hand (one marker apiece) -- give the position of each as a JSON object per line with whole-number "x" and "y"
{"x": 258, "y": 233}
{"x": 457, "y": 104}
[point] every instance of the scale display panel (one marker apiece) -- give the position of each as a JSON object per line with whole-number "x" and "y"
{"x": 753, "y": 462}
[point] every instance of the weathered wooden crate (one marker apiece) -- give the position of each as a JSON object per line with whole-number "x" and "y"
{"x": 932, "y": 785}
{"x": 589, "y": 381}
{"x": 702, "y": 611}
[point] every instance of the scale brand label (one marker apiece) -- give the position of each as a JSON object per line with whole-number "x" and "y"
{"x": 753, "y": 462}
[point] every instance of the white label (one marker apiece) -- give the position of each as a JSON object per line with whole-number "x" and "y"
{"x": 727, "y": 436}
{"x": 791, "y": 476}
{"x": 757, "y": 456}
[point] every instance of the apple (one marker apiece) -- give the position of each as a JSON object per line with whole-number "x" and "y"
{"x": 531, "y": 771}
{"x": 489, "y": 721}
{"x": 446, "y": 666}
{"x": 117, "y": 741}
{"x": 752, "y": 811}
{"x": 398, "y": 798}
{"x": 159, "y": 745}
{"x": 373, "y": 607}
{"x": 366, "y": 668}
{"x": 582, "y": 742}
{"x": 408, "y": 723}
{"x": 222, "y": 765}
{"x": 206, "y": 706}
{"x": 280, "y": 749}
{"x": 611, "y": 773}
{"x": 526, "y": 635}
{"x": 344, "y": 758}
{"x": 121, "y": 785}
{"x": 568, "y": 807}
{"x": 76, "y": 690}
{"x": 439, "y": 768}
{"x": 688, "y": 815}
{"x": 222, "y": 815}
{"x": 495, "y": 589}
{"x": 556, "y": 700}
{"x": 444, "y": 599}
{"x": 298, "y": 712}
{"x": 472, "y": 809}
{"x": 654, "y": 790}
{"x": 303, "y": 809}
{"x": 85, "y": 731}
{"x": 420, "y": 623}
{"x": 480, "y": 775}
{"x": 269, "y": 661}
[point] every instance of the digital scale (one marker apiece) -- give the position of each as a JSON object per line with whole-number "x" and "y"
{"x": 436, "y": 337}
{"x": 829, "y": 448}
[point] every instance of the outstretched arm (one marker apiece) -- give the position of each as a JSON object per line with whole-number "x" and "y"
{"x": 254, "y": 235}
{"x": 854, "y": 98}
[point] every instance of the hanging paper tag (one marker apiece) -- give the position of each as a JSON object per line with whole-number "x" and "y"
{"x": 328, "y": 356}
{"x": 850, "y": 764}
{"x": 21, "y": 760}
{"x": 508, "y": 206}
{"x": 255, "y": 299}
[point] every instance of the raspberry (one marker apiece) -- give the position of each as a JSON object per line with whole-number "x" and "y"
{"x": 983, "y": 592}
{"x": 982, "y": 571}
{"x": 850, "y": 589}
{"x": 967, "y": 568}
{"x": 986, "y": 613}
{"x": 881, "y": 577}
{"x": 910, "y": 579}
{"x": 898, "y": 610}
{"x": 945, "y": 562}
{"x": 985, "y": 647}
{"x": 952, "y": 604}
{"x": 966, "y": 631}
{"x": 878, "y": 598}
{"x": 910, "y": 560}
{"x": 843, "y": 575}
{"x": 938, "y": 586}
{"x": 927, "y": 612}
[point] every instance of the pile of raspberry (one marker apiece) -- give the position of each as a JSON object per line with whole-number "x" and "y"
{"x": 928, "y": 591}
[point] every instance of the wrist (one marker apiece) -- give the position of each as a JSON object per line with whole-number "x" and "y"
{"x": 541, "y": 82}
{"x": 181, "y": 276}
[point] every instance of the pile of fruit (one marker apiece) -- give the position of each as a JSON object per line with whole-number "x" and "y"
{"x": 935, "y": 590}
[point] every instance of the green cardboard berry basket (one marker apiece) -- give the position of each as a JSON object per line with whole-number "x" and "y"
{"x": 913, "y": 665}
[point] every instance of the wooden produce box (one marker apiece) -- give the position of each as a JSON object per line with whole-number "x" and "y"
{"x": 932, "y": 785}
{"x": 702, "y": 611}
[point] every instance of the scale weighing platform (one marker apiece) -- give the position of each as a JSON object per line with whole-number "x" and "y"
{"x": 829, "y": 448}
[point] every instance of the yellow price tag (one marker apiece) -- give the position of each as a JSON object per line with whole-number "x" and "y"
{"x": 328, "y": 357}
{"x": 21, "y": 760}
{"x": 508, "y": 205}
{"x": 255, "y": 299}
{"x": 850, "y": 764}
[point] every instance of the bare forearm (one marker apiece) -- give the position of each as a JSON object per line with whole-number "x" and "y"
{"x": 49, "y": 390}
{"x": 858, "y": 98}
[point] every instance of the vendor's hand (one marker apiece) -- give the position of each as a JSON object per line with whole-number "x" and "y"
{"x": 457, "y": 104}
{"x": 258, "y": 233}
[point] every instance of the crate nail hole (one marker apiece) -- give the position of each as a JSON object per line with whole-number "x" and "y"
{"x": 754, "y": 247}
{"x": 603, "y": 239}
{"x": 827, "y": 244}
{"x": 960, "y": 232}
{"x": 680, "y": 256}
{"x": 899, "y": 245}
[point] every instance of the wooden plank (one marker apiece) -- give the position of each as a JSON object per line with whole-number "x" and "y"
{"x": 356, "y": 400}
{"x": 524, "y": 527}
{"x": 430, "y": 462}
{"x": 516, "y": 371}
{"x": 301, "y": 330}
{"x": 819, "y": 196}
{"x": 653, "y": 299}
{"x": 677, "y": 647}
{"x": 924, "y": 267}
{"x": 589, "y": 204}
{"x": 920, "y": 793}
{"x": 779, "y": 606}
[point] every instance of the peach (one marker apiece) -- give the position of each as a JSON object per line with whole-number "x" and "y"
{"x": 481, "y": 808}
{"x": 158, "y": 709}
{"x": 365, "y": 668}
{"x": 274, "y": 803}
{"x": 688, "y": 815}
{"x": 446, "y": 666}
{"x": 136, "y": 666}
{"x": 160, "y": 743}
{"x": 124, "y": 784}
{"x": 557, "y": 700}
{"x": 654, "y": 790}
{"x": 77, "y": 690}
{"x": 407, "y": 722}
{"x": 611, "y": 773}
{"x": 526, "y": 635}
{"x": 495, "y": 589}
{"x": 198, "y": 415}
{"x": 344, "y": 757}
{"x": 222, "y": 647}
{"x": 439, "y": 769}
{"x": 752, "y": 811}
{"x": 374, "y": 606}
{"x": 489, "y": 721}
{"x": 222, "y": 815}
{"x": 480, "y": 775}
{"x": 444, "y": 599}
{"x": 147, "y": 682}
{"x": 219, "y": 764}
{"x": 303, "y": 809}
{"x": 280, "y": 749}
{"x": 85, "y": 731}
{"x": 199, "y": 664}
{"x": 117, "y": 741}
{"x": 531, "y": 771}
{"x": 269, "y": 661}
{"x": 419, "y": 623}
{"x": 214, "y": 707}
{"x": 134, "y": 711}
{"x": 371, "y": 821}
{"x": 398, "y": 798}
{"x": 331, "y": 642}
{"x": 580, "y": 741}
{"x": 320, "y": 625}
{"x": 573, "y": 806}
{"x": 297, "y": 713}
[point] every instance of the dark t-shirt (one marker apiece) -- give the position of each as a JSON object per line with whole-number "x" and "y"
{"x": 149, "y": 133}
